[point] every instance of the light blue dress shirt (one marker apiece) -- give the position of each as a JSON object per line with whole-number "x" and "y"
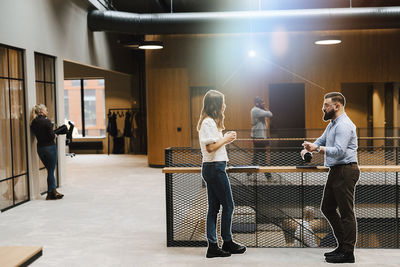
{"x": 340, "y": 141}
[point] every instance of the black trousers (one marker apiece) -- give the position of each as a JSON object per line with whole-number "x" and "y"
{"x": 339, "y": 193}
{"x": 260, "y": 153}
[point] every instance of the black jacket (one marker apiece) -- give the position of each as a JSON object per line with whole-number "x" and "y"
{"x": 42, "y": 127}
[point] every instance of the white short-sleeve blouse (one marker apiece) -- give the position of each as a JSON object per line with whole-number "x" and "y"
{"x": 210, "y": 134}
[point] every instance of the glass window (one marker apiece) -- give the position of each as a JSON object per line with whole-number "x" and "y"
{"x": 73, "y": 113}
{"x": 49, "y": 69}
{"x": 45, "y": 94}
{"x": 13, "y": 151}
{"x": 39, "y": 69}
{"x": 6, "y": 198}
{"x": 76, "y": 83}
{"x": 92, "y": 96}
{"x": 5, "y": 137}
{"x": 3, "y": 62}
{"x": 90, "y": 107}
{"x": 66, "y": 104}
{"x": 18, "y": 127}
{"x": 15, "y": 65}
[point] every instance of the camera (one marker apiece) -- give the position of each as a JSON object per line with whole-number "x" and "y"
{"x": 307, "y": 157}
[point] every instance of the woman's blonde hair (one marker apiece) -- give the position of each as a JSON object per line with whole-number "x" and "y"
{"x": 212, "y": 107}
{"x": 37, "y": 110}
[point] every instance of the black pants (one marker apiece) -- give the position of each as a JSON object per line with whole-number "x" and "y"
{"x": 260, "y": 153}
{"x": 339, "y": 193}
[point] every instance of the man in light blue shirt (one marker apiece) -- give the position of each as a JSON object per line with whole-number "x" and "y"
{"x": 339, "y": 145}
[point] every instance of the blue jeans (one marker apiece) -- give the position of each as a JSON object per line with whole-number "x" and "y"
{"x": 48, "y": 155}
{"x": 219, "y": 193}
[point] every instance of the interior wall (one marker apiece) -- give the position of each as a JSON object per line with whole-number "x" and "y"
{"x": 221, "y": 61}
{"x": 118, "y": 93}
{"x": 356, "y": 97}
{"x": 57, "y": 28}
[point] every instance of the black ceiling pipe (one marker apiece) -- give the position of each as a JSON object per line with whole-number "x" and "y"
{"x": 245, "y": 21}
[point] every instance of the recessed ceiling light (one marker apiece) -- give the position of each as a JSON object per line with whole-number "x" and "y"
{"x": 151, "y": 45}
{"x": 328, "y": 40}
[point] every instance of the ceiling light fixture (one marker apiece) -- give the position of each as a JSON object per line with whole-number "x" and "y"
{"x": 151, "y": 45}
{"x": 328, "y": 40}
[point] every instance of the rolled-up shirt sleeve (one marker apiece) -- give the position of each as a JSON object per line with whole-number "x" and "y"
{"x": 342, "y": 138}
{"x": 208, "y": 133}
{"x": 321, "y": 141}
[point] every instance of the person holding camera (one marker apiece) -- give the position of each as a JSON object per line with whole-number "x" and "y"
{"x": 339, "y": 144}
{"x": 42, "y": 127}
{"x": 259, "y": 115}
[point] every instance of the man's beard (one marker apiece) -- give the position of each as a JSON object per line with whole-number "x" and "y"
{"x": 329, "y": 115}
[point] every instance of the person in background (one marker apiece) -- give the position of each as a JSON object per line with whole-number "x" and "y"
{"x": 339, "y": 145}
{"x": 259, "y": 114}
{"x": 304, "y": 233}
{"x": 212, "y": 144}
{"x": 42, "y": 127}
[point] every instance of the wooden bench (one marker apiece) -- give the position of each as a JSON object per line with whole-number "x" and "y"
{"x": 86, "y": 146}
{"x": 19, "y": 256}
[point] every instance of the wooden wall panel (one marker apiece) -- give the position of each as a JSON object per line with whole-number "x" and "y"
{"x": 168, "y": 109}
{"x": 221, "y": 61}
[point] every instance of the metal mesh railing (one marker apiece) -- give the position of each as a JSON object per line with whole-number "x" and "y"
{"x": 270, "y": 207}
{"x": 277, "y": 156}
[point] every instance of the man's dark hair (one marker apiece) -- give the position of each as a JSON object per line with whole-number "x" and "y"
{"x": 336, "y": 97}
{"x": 258, "y": 100}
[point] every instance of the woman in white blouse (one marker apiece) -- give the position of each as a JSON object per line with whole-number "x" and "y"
{"x": 212, "y": 144}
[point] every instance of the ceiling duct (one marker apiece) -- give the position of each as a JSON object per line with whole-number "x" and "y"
{"x": 245, "y": 21}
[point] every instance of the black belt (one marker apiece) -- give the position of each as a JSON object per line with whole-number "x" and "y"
{"x": 350, "y": 163}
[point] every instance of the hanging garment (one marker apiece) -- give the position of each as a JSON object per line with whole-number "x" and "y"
{"x": 112, "y": 124}
{"x": 128, "y": 125}
{"x": 118, "y": 145}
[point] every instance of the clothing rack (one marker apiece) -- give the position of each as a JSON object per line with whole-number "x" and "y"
{"x": 111, "y": 110}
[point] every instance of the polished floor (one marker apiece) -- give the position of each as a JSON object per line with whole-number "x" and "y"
{"x": 113, "y": 214}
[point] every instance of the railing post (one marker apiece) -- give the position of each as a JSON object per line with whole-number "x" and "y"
{"x": 168, "y": 198}
{"x": 169, "y": 208}
{"x": 397, "y": 210}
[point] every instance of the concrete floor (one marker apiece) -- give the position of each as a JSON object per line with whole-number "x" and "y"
{"x": 113, "y": 214}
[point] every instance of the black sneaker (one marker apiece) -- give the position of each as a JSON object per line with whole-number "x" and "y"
{"x": 233, "y": 247}
{"x": 214, "y": 251}
{"x": 343, "y": 257}
{"x": 338, "y": 250}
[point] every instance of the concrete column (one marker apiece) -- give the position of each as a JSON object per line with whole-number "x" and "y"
{"x": 60, "y": 117}
{"x": 30, "y": 94}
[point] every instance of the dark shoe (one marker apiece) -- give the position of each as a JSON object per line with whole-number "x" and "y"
{"x": 343, "y": 257}
{"x": 50, "y": 196}
{"x": 337, "y": 251}
{"x": 57, "y": 195}
{"x": 214, "y": 251}
{"x": 233, "y": 247}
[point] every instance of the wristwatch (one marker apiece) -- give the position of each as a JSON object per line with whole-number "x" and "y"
{"x": 318, "y": 149}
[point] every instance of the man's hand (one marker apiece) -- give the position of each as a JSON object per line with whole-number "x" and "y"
{"x": 310, "y": 147}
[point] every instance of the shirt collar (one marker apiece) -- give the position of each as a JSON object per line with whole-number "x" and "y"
{"x": 338, "y": 118}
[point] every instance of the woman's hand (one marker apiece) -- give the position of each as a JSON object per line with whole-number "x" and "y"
{"x": 230, "y": 137}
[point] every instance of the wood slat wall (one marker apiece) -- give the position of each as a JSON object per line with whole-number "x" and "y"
{"x": 168, "y": 109}
{"x": 221, "y": 61}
